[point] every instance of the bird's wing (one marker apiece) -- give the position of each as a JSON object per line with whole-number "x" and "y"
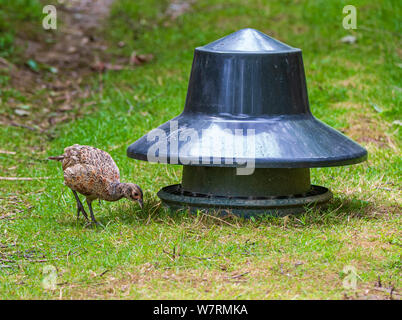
{"x": 87, "y": 155}
{"x": 87, "y": 180}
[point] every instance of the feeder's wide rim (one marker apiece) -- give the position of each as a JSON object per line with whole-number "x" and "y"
{"x": 244, "y": 207}
{"x": 264, "y": 163}
{"x": 307, "y": 143}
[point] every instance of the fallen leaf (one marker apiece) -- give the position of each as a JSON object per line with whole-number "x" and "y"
{"x": 178, "y": 8}
{"x": 349, "y": 39}
{"x": 376, "y": 107}
{"x": 53, "y": 70}
{"x": 102, "y": 67}
{"x": 65, "y": 107}
{"x": 138, "y": 59}
{"x": 57, "y": 119}
{"x": 33, "y": 65}
{"x": 98, "y": 66}
{"x": 114, "y": 67}
{"x": 21, "y": 113}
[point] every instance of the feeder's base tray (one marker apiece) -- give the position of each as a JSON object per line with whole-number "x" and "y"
{"x": 176, "y": 198}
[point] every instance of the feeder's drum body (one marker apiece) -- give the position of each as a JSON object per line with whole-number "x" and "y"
{"x": 247, "y": 101}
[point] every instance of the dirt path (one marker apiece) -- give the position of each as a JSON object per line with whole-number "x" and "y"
{"x": 73, "y": 47}
{"x": 58, "y": 62}
{"x": 78, "y": 41}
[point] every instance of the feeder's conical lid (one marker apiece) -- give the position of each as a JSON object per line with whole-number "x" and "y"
{"x": 247, "y": 102}
{"x": 247, "y": 40}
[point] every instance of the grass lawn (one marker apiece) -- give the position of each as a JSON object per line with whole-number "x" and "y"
{"x": 355, "y": 88}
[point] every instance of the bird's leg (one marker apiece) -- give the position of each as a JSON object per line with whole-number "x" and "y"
{"x": 89, "y": 203}
{"x": 80, "y": 207}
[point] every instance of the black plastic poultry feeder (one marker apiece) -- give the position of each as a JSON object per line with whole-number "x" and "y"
{"x": 246, "y": 107}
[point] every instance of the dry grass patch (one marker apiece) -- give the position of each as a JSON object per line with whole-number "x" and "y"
{"x": 366, "y": 128}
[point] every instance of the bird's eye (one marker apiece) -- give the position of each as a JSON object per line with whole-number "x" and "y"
{"x": 136, "y": 194}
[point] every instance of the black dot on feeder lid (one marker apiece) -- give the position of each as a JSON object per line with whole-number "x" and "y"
{"x": 247, "y": 105}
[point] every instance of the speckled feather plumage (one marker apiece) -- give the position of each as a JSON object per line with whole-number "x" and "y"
{"x": 90, "y": 171}
{"x": 93, "y": 173}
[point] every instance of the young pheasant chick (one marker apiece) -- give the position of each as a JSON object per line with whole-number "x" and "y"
{"x": 93, "y": 173}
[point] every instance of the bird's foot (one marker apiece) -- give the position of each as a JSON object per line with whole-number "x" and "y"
{"x": 80, "y": 209}
{"x": 94, "y": 223}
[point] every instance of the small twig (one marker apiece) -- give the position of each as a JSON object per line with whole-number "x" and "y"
{"x": 379, "y": 30}
{"x": 390, "y": 291}
{"x": 103, "y": 273}
{"x": 397, "y": 244}
{"x": 379, "y": 285}
{"x": 207, "y": 215}
{"x": 200, "y": 258}
{"x": 18, "y": 125}
{"x": 7, "y": 245}
{"x": 169, "y": 254}
{"x": 25, "y": 178}
{"x": 9, "y": 217}
{"x": 240, "y": 275}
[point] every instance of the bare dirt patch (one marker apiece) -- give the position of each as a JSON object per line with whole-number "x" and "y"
{"x": 367, "y": 130}
{"x": 364, "y": 127}
{"x": 54, "y": 77}
{"x": 267, "y": 280}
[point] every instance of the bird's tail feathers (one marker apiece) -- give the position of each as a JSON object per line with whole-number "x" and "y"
{"x": 57, "y": 158}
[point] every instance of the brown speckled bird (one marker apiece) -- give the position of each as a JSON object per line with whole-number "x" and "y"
{"x": 93, "y": 173}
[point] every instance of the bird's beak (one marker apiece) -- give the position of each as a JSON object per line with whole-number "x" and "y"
{"x": 141, "y": 203}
